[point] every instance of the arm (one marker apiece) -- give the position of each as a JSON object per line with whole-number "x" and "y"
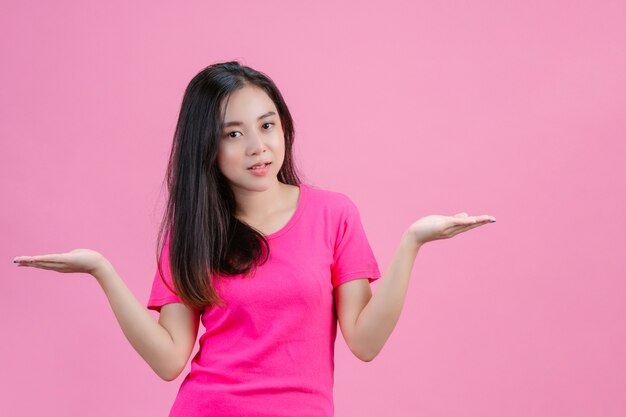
{"x": 367, "y": 321}
{"x": 166, "y": 345}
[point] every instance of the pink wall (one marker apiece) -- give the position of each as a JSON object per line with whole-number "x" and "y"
{"x": 513, "y": 109}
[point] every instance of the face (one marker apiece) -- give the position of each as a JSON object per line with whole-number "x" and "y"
{"x": 252, "y": 133}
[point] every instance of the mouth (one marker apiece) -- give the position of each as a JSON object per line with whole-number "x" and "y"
{"x": 260, "y": 166}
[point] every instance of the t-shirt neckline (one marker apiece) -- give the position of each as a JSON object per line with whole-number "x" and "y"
{"x": 295, "y": 216}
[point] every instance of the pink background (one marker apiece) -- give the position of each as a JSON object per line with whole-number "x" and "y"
{"x": 513, "y": 109}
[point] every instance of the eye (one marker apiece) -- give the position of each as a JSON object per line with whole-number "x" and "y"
{"x": 231, "y": 134}
{"x": 272, "y": 124}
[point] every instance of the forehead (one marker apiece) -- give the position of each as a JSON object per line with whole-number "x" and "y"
{"x": 246, "y": 104}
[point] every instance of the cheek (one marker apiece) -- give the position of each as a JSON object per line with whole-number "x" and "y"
{"x": 226, "y": 158}
{"x": 279, "y": 140}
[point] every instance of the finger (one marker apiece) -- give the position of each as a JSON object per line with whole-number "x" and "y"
{"x": 462, "y": 221}
{"x": 461, "y": 229}
{"x": 459, "y": 221}
{"x": 45, "y": 265}
{"x": 47, "y": 258}
{"x": 54, "y": 257}
{"x": 31, "y": 260}
{"x": 472, "y": 222}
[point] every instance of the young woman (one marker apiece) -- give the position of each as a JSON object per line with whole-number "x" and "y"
{"x": 269, "y": 264}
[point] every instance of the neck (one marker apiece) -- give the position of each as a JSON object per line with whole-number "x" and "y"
{"x": 258, "y": 204}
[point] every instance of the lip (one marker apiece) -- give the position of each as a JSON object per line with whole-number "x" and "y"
{"x": 260, "y": 163}
{"x": 259, "y": 172}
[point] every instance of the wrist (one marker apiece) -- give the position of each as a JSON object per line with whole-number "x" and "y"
{"x": 409, "y": 240}
{"x": 102, "y": 269}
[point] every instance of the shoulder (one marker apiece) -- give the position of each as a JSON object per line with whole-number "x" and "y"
{"x": 336, "y": 203}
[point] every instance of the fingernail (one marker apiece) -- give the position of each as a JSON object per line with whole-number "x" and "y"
{"x": 492, "y": 221}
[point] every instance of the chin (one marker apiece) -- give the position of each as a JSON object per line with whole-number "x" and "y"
{"x": 257, "y": 184}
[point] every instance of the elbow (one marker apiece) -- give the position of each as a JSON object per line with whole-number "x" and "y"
{"x": 168, "y": 378}
{"x": 368, "y": 358}
{"x": 169, "y": 374}
{"x": 364, "y": 355}
{"x": 172, "y": 369}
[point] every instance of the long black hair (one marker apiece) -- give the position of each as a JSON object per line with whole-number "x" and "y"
{"x": 204, "y": 237}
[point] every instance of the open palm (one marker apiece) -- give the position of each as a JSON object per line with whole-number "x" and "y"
{"x": 436, "y": 227}
{"x": 77, "y": 260}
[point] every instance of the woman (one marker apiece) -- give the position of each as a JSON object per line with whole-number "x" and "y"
{"x": 269, "y": 264}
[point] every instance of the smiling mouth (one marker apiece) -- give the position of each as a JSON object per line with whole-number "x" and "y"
{"x": 260, "y": 166}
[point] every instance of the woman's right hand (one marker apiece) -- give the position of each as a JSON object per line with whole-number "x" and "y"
{"x": 77, "y": 260}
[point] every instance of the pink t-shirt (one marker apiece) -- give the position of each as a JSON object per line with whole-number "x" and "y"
{"x": 270, "y": 352}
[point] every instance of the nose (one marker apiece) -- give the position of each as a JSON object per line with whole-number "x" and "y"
{"x": 256, "y": 144}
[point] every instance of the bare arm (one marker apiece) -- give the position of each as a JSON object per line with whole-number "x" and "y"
{"x": 166, "y": 345}
{"x": 367, "y": 321}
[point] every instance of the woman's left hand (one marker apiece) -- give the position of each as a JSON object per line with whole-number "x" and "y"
{"x": 435, "y": 227}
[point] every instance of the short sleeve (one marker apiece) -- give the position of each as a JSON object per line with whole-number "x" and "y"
{"x": 160, "y": 293}
{"x": 353, "y": 257}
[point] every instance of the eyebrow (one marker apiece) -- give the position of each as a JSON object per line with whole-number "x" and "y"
{"x": 235, "y": 123}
